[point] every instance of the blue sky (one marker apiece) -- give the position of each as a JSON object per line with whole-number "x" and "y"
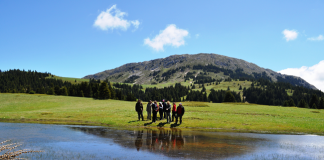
{"x": 77, "y": 38}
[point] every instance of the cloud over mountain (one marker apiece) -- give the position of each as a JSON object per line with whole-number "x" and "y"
{"x": 113, "y": 18}
{"x": 171, "y": 35}
{"x": 313, "y": 74}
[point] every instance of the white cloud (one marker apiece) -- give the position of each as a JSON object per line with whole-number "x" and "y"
{"x": 114, "y": 18}
{"x": 290, "y": 34}
{"x": 313, "y": 75}
{"x": 319, "y": 38}
{"x": 171, "y": 35}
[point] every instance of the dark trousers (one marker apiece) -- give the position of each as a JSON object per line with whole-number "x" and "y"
{"x": 179, "y": 116}
{"x": 174, "y": 116}
{"x": 165, "y": 114}
{"x": 149, "y": 115}
{"x": 161, "y": 114}
{"x": 168, "y": 116}
{"x": 154, "y": 116}
{"x": 140, "y": 114}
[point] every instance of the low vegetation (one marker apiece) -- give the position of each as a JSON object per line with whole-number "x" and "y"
{"x": 234, "y": 117}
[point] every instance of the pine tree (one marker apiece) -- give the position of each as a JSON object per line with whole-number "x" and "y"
{"x": 81, "y": 93}
{"x": 314, "y": 106}
{"x": 313, "y": 100}
{"x": 203, "y": 88}
{"x": 104, "y": 92}
{"x": 240, "y": 88}
{"x": 112, "y": 91}
{"x": 51, "y": 91}
{"x": 302, "y": 104}
{"x": 90, "y": 91}
{"x": 286, "y": 103}
{"x": 64, "y": 91}
{"x": 291, "y": 103}
{"x": 321, "y": 103}
{"x": 228, "y": 88}
{"x": 229, "y": 97}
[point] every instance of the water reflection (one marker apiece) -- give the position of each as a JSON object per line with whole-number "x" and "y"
{"x": 162, "y": 139}
{"x": 139, "y": 140}
{"x": 177, "y": 143}
{"x": 89, "y": 142}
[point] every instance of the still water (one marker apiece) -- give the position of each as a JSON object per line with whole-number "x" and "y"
{"x": 84, "y": 142}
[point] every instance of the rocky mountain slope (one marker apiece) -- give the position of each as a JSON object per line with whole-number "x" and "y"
{"x": 176, "y": 67}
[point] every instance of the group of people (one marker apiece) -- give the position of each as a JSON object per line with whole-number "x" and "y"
{"x": 163, "y": 108}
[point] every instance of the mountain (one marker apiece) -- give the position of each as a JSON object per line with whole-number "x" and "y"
{"x": 201, "y": 68}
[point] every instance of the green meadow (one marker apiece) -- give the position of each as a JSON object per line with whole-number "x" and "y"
{"x": 233, "y": 117}
{"x": 68, "y": 79}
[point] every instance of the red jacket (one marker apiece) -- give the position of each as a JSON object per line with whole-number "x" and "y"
{"x": 174, "y": 108}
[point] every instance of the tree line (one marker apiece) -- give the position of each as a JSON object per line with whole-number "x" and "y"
{"x": 262, "y": 91}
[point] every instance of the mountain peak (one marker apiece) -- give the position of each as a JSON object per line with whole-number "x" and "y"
{"x": 174, "y": 68}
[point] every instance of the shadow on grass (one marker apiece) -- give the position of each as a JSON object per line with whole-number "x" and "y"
{"x": 161, "y": 124}
{"x": 146, "y": 124}
{"x": 174, "y": 125}
{"x": 133, "y": 121}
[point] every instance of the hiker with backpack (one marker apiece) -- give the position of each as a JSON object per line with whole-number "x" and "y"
{"x": 164, "y": 108}
{"x": 168, "y": 111}
{"x": 174, "y": 111}
{"x": 155, "y": 109}
{"x": 139, "y": 109}
{"x": 161, "y": 110}
{"x": 180, "y": 112}
{"x": 148, "y": 109}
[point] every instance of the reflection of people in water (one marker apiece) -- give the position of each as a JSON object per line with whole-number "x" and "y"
{"x": 162, "y": 139}
{"x": 139, "y": 140}
{"x": 154, "y": 138}
{"x": 148, "y": 139}
{"x": 179, "y": 140}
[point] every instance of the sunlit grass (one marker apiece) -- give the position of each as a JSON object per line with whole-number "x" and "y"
{"x": 68, "y": 79}
{"x": 236, "y": 117}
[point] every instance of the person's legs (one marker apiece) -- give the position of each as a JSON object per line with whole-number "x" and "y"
{"x": 169, "y": 117}
{"x": 161, "y": 114}
{"x": 154, "y": 117}
{"x": 173, "y": 116}
{"x": 180, "y": 119}
{"x": 149, "y": 115}
{"x": 176, "y": 119}
{"x": 142, "y": 116}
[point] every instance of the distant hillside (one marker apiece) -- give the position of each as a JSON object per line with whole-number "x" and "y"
{"x": 201, "y": 68}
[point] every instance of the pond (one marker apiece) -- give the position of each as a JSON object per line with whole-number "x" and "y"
{"x": 87, "y": 142}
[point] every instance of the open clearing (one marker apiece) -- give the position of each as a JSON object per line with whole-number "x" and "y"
{"x": 234, "y": 117}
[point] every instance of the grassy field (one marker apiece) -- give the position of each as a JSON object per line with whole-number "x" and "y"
{"x": 199, "y": 115}
{"x": 68, "y": 79}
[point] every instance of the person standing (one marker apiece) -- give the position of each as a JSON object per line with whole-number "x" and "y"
{"x": 168, "y": 112}
{"x": 139, "y": 109}
{"x": 180, "y": 112}
{"x": 164, "y": 108}
{"x": 174, "y": 111}
{"x": 161, "y": 110}
{"x": 155, "y": 109}
{"x": 149, "y": 109}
